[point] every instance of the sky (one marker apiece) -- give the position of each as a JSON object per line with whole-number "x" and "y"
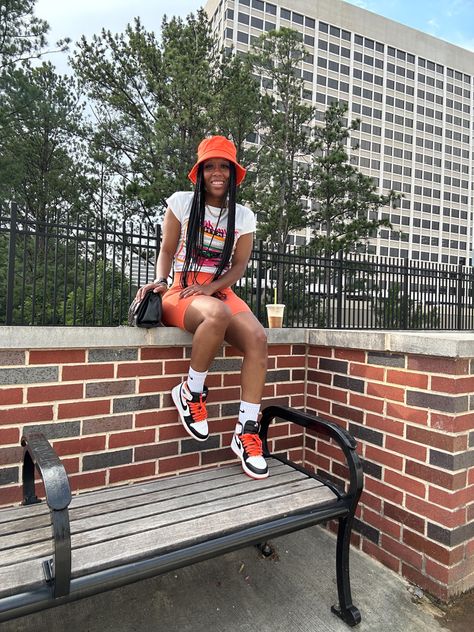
{"x": 451, "y": 20}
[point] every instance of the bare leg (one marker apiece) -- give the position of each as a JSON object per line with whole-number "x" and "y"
{"x": 207, "y": 318}
{"x": 247, "y": 334}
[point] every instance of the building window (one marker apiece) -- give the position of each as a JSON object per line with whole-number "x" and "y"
{"x": 270, "y": 8}
{"x": 297, "y": 18}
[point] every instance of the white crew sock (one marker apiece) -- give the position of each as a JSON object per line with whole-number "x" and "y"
{"x": 196, "y": 380}
{"x": 247, "y": 411}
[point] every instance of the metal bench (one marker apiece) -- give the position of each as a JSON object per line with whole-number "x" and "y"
{"x": 111, "y": 537}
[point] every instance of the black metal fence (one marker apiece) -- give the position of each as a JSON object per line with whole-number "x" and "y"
{"x": 69, "y": 272}
{"x": 355, "y": 291}
{"x": 64, "y": 271}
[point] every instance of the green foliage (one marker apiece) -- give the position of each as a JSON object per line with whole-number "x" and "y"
{"x": 23, "y": 35}
{"x": 398, "y": 310}
{"x": 153, "y": 102}
{"x": 283, "y": 161}
{"x": 345, "y": 201}
{"x": 57, "y": 281}
{"x": 103, "y": 297}
{"x": 238, "y": 109}
{"x": 41, "y": 147}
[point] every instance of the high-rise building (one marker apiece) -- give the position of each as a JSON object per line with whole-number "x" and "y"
{"x": 414, "y": 94}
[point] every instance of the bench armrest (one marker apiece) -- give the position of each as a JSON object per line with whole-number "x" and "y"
{"x": 39, "y": 455}
{"x": 327, "y": 428}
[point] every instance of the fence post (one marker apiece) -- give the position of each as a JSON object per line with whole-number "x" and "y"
{"x": 158, "y": 239}
{"x": 11, "y": 263}
{"x": 339, "y": 290}
{"x": 258, "y": 294}
{"x": 158, "y": 247}
{"x": 460, "y": 294}
{"x": 405, "y": 300}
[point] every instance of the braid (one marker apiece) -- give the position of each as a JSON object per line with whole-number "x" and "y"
{"x": 230, "y": 234}
{"x": 195, "y": 232}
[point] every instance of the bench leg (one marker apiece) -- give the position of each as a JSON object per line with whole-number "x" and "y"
{"x": 265, "y": 549}
{"x": 346, "y": 610}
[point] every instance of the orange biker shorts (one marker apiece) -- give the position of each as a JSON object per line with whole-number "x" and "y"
{"x": 174, "y": 307}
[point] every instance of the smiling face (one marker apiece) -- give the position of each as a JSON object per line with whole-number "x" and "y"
{"x": 216, "y": 180}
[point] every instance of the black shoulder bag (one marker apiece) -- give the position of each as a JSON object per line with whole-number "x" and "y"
{"x": 147, "y": 312}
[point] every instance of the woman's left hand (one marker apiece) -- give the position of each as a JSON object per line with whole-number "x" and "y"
{"x": 197, "y": 290}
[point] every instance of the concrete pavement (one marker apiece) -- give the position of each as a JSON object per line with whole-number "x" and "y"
{"x": 244, "y": 592}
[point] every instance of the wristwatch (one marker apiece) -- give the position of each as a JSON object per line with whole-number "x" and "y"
{"x": 161, "y": 280}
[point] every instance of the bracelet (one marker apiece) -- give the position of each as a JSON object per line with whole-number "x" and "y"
{"x": 161, "y": 280}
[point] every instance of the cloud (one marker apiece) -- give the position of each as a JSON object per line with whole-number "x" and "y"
{"x": 433, "y": 26}
{"x": 456, "y": 7}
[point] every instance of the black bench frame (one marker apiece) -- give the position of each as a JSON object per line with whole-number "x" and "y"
{"x": 59, "y": 588}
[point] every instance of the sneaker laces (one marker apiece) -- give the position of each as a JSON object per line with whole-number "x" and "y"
{"x": 198, "y": 409}
{"x": 252, "y": 443}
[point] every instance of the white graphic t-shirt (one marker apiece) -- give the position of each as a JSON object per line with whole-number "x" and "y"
{"x": 215, "y": 230}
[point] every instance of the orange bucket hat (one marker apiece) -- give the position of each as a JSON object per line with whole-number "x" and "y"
{"x": 217, "y": 147}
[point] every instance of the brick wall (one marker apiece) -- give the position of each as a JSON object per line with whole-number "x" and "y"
{"x": 413, "y": 416}
{"x": 107, "y": 410}
{"x": 110, "y": 417}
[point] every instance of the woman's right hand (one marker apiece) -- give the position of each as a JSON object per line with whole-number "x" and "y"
{"x": 157, "y": 288}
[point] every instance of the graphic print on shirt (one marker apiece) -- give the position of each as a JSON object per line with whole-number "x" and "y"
{"x": 213, "y": 245}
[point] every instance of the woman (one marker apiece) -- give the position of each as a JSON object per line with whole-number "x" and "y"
{"x": 208, "y": 238}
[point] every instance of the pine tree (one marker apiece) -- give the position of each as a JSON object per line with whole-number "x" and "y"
{"x": 152, "y": 101}
{"x": 345, "y": 201}
{"x": 238, "y": 109}
{"x": 23, "y": 35}
{"x": 41, "y": 147}
{"x": 283, "y": 161}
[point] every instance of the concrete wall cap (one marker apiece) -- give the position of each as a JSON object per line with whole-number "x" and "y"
{"x": 433, "y": 343}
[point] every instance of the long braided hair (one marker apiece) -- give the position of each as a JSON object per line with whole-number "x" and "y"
{"x": 195, "y": 230}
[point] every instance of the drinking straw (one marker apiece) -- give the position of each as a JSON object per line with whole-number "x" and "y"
{"x": 275, "y": 296}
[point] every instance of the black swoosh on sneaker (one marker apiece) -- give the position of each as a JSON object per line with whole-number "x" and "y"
{"x": 185, "y": 404}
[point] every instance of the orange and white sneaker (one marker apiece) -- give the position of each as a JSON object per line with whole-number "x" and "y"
{"x": 192, "y": 410}
{"x": 247, "y": 445}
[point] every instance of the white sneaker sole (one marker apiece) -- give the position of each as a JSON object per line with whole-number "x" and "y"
{"x": 236, "y": 450}
{"x": 176, "y": 399}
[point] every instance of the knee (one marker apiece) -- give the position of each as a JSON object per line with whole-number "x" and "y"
{"x": 218, "y": 315}
{"x": 258, "y": 345}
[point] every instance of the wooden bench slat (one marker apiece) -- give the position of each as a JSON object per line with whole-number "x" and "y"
{"x": 135, "y": 494}
{"x": 161, "y": 538}
{"x": 125, "y": 509}
{"x": 165, "y": 513}
{"x": 88, "y": 498}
